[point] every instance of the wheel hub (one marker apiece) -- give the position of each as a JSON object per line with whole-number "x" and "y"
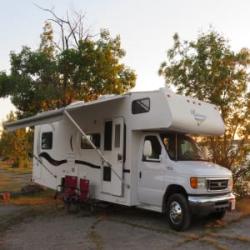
{"x": 175, "y": 213}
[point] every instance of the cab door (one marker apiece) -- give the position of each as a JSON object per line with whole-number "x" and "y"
{"x": 112, "y": 177}
{"x": 151, "y": 171}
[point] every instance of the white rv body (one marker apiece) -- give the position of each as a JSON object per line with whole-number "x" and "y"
{"x": 133, "y": 182}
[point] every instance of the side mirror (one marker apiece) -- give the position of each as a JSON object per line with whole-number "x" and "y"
{"x": 147, "y": 150}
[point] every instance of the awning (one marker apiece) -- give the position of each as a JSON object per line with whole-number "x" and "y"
{"x": 41, "y": 118}
{"x": 57, "y": 114}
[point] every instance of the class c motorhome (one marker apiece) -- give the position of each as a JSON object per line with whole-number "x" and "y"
{"x": 136, "y": 150}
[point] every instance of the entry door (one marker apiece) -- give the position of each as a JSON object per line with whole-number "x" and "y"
{"x": 112, "y": 177}
{"x": 152, "y": 172}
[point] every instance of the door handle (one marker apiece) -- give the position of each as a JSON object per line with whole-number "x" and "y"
{"x": 119, "y": 157}
{"x": 140, "y": 174}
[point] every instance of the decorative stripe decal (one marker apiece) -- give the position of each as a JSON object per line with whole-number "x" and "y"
{"x": 56, "y": 163}
{"x": 52, "y": 161}
{"x": 87, "y": 164}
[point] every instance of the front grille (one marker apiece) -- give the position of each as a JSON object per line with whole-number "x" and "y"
{"x": 217, "y": 184}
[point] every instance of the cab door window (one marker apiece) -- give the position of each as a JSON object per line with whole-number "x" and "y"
{"x": 151, "y": 149}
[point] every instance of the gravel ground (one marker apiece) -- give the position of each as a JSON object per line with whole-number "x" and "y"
{"x": 39, "y": 225}
{"x": 119, "y": 228}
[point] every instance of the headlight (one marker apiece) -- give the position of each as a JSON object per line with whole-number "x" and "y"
{"x": 198, "y": 182}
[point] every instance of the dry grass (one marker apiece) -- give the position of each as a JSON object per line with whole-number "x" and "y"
{"x": 10, "y": 184}
{"x": 243, "y": 206}
{"x": 96, "y": 239}
{"x": 7, "y": 166}
{"x": 213, "y": 243}
{"x": 43, "y": 198}
{"x": 13, "y": 179}
{"x": 32, "y": 201}
{"x": 230, "y": 237}
{"x": 4, "y": 180}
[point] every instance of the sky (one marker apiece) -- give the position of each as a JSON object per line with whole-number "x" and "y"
{"x": 146, "y": 28}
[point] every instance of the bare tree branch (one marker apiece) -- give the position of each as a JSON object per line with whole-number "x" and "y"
{"x": 71, "y": 29}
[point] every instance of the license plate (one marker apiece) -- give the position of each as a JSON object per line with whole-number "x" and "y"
{"x": 233, "y": 202}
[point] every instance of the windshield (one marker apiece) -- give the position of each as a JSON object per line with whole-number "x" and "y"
{"x": 181, "y": 147}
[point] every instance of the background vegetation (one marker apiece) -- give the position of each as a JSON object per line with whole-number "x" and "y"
{"x": 79, "y": 66}
{"x": 210, "y": 70}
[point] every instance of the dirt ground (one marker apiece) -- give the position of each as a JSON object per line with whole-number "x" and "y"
{"x": 35, "y": 222}
{"x": 47, "y": 227}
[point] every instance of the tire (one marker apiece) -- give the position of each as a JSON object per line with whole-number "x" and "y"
{"x": 218, "y": 215}
{"x": 178, "y": 212}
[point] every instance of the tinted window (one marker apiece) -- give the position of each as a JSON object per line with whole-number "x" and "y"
{"x": 107, "y": 173}
{"x": 94, "y": 138}
{"x": 47, "y": 139}
{"x": 181, "y": 147}
{"x": 108, "y": 136}
{"x": 117, "y": 135}
{"x": 169, "y": 141}
{"x": 141, "y": 106}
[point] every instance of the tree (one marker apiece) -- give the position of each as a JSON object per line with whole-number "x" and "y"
{"x": 209, "y": 70}
{"x": 78, "y": 67}
{"x": 15, "y": 146}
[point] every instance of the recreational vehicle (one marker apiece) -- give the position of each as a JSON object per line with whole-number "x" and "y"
{"x": 136, "y": 150}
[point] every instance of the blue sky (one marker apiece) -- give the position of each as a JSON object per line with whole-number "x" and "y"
{"x": 146, "y": 28}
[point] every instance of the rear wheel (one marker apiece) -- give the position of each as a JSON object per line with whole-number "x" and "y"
{"x": 178, "y": 212}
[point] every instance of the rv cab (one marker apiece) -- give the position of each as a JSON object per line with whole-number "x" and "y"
{"x": 174, "y": 160}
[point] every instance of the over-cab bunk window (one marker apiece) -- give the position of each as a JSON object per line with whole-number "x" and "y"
{"x": 140, "y": 106}
{"x": 47, "y": 140}
{"x": 94, "y": 138}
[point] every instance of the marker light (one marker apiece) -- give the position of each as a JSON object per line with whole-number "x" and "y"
{"x": 197, "y": 182}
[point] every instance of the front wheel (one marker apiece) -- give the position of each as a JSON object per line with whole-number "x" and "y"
{"x": 178, "y": 212}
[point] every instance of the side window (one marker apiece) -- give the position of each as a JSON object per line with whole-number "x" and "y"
{"x": 187, "y": 150}
{"x": 108, "y": 136}
{"x": 140, "y": 106}
{"x": 168, "y": 141}
{"x": 107, "y": 173}
{"x": 94, "y": 138}
{"x": 151, "y": 149}
{"x": 117, "y": 135}
{"x": 47, "y": 140}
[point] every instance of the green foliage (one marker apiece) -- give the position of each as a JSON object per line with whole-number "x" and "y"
{"x": 209, "y": 70}
{"x": 15, "y": 146}
{"x": 53, "y": 76}
{"x": 242, "y": 175}
{"x": 80, "y": 67}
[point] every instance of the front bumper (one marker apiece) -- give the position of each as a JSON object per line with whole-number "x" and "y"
{"x": 209, "y": 204}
